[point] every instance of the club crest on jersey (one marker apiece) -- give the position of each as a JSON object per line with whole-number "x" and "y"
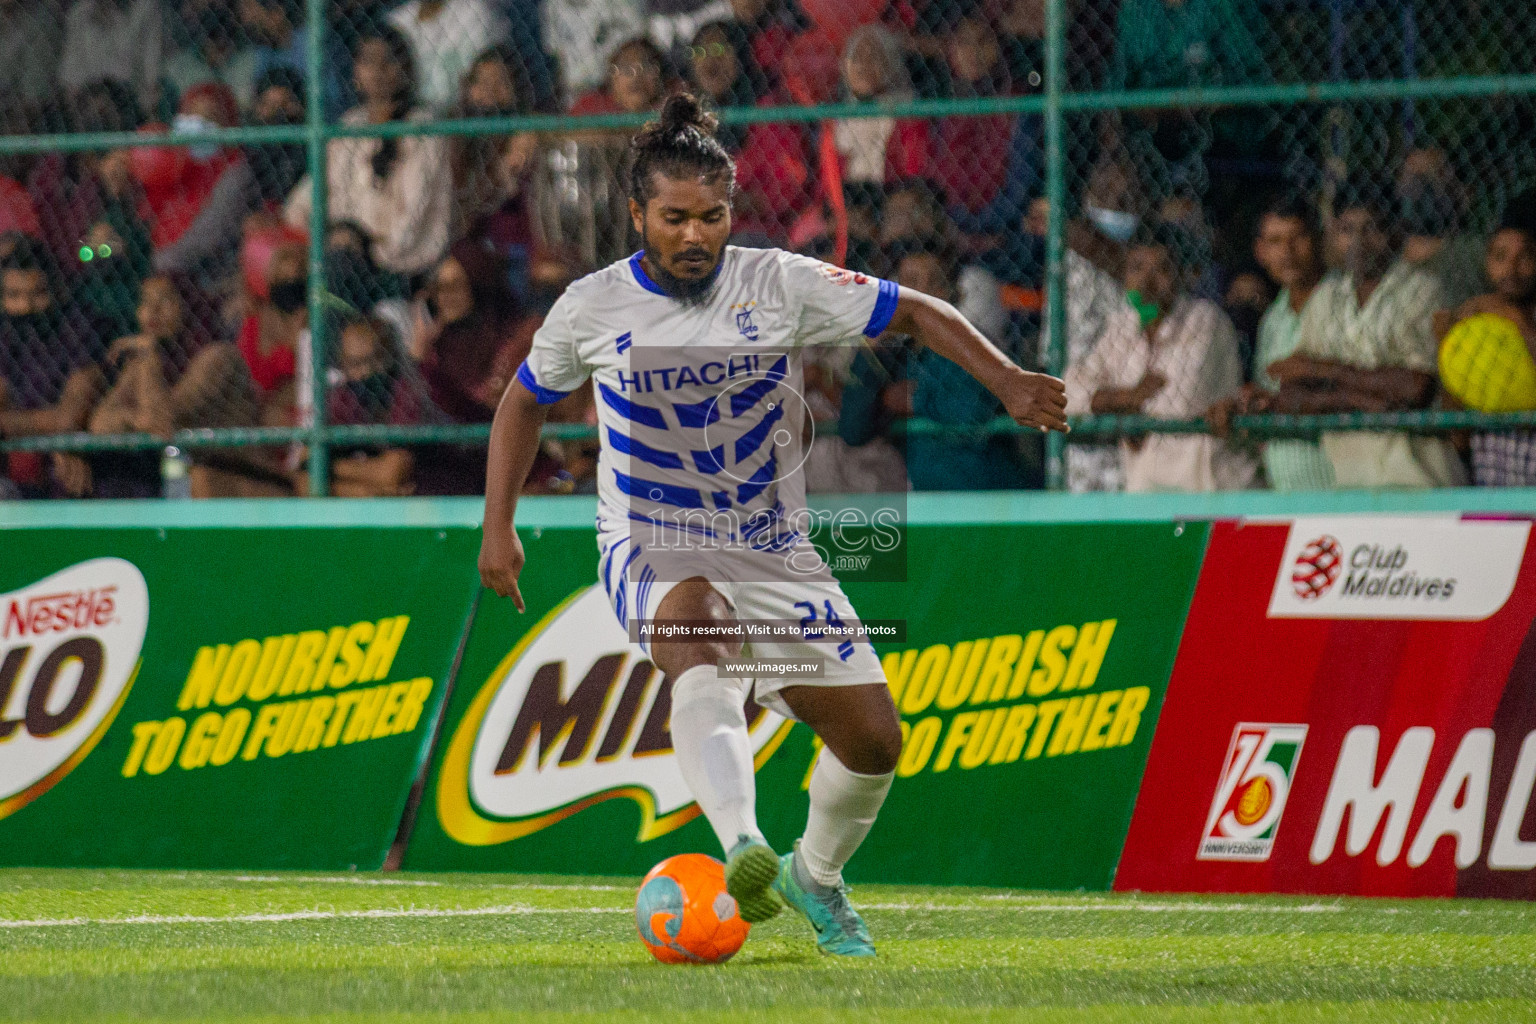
{"x": 744, "y": 322}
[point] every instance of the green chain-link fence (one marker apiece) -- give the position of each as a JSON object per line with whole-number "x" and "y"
{"x": 337, "y": 225}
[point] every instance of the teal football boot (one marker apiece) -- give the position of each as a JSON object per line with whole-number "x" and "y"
{"x": 839, "y": 928}
{"x": 750, "y": 870}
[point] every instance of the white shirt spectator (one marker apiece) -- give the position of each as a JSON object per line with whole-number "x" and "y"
{"x": 1194, "y": 348}
{"x": 446, "y": 42}
{"x": 583, "y": 34}
{"x": 104, "y": 39}
{"x": 407, "y": 214}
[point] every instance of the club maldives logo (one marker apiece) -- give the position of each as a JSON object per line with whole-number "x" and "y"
{"x": 1251, "y": 793}
{"x": 574, "y": 715}
{"x": 69, "y": 652}
{"x": 1317, "y": 568}
{"x": 1403, "y": 567}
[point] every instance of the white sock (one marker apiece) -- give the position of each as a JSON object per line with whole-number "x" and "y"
{"x": 843, "y": 807}
{"x": 709, "y": 733}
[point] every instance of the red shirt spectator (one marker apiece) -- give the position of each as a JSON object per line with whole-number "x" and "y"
{"x": 177, "y": 181}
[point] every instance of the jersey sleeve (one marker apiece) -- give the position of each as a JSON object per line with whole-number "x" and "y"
{"x": 837, "y": 304}
{"x": 554, "y": 367}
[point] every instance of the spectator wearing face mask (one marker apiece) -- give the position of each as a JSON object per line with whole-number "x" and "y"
{"x": 1508, "y": 458}
{"x": 446, "y": 37}
{"x": 353, "y": 277}
{"x": 370, "y": 385}
{"x": 209, "y": 246}
{"x": 118, "y": 39}
{"x": 177, "y": 181}
{"x": 1169, "y": 357}
{"x": 1367, "y": 344}
{"x": 214, "y": 55}
{"x": 50, "y": 360}
{"x": 1289, "y": 246}
{"x": 279, "y": 312}
{"x": 399, "y": 189}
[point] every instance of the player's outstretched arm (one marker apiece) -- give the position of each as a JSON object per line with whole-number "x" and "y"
{"x": 514, "y": 444}
{"x": 1031, "y": 399}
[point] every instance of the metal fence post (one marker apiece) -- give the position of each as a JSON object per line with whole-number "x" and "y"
{"x": 319, "y": 454}
{"x": 1056, "y": 193}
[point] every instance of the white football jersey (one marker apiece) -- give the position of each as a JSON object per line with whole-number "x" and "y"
{"x": 699, "y": 405}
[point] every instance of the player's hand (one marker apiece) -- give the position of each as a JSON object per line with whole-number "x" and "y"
{"x": 501, "y": 560}
{"x": 1035, "y": 400}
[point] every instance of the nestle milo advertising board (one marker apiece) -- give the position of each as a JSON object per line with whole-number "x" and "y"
{"x": 208, "y": 698}
{"x": 1029, "y": 680}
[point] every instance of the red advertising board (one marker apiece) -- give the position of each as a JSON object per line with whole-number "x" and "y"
{"x": 1353, "y": 711}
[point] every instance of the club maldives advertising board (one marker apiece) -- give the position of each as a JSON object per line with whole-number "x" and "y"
{"x": 1352, "y": 711}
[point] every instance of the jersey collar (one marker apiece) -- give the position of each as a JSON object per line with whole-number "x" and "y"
{"x": 644, "y": 280}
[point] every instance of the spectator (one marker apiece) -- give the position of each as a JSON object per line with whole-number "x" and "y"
{"x": 114, "y": 259}
{"x": 214, "y": 56}
{"x": 1169, "y": 44}
{"x": 279, "y": 313}
{"x": 673, "y": 24}
{"x": 880, "y": 148}
{"x": 1508, "y": 458}
{"x": 277, "y": 27}
{"x": 209, "y": 246}
{"x": 1432, "y": 205}
{"x": 1289, "y": 246}
{"x": 446, "y": 37}
{"x": 636, "y": 82}
{"x": 50, "y": 356}
{"x": 399, "y": 189}
{"x": 31, "y": 39}
{"x": 81, "y": 189}
{"x": 18, "y": 212}
{"x": 913, "y": 209}
{"x": 772, "y": 166}
{"x": 1367, "y": 344}
{"x": 375, "y": 387}
{"x": 118, "y": 39}
{"x": 354, "y": 278}
{"x": 944, "y": 393}
{"x": 469, "y": 340}
{"x": 988, "y": 195}
{"x": 177, "y": 181}
{"x": 168, "y": 376}
{"x": 1169, "y": 357}
{"x": 772, "y": 26}
{"x": 584, "y": 34}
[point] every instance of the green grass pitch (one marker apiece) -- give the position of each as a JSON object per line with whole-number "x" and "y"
{"x": 452, "y": 949}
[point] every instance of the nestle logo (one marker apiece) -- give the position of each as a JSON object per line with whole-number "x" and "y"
{"x": 1317, "y": 568}
{"x": 58, "y": 613}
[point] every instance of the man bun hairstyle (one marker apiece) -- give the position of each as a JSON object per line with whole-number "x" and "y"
{"x": 680, "y": 143}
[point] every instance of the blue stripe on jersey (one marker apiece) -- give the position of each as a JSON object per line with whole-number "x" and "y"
{"x": 711, "y": 461}
{"x": 542, "y": 394}
{"x": 750, "y": 395}
{"x": 647, "y": 577}
{"x": 622, "y": 342}
{"x": 722, "y": 498}
{"x": 753, "y": 439}
{"x": 642, "y": 278}
{"x": 644, "y": 415}
{"x": 758, "y": 482}
{"x": 655, "y": 490}
{"x": 608, "y": 565}
{"x": 885, "y": 308}
{"x": 698, "y": 414}
{"x": 644, "y": 452}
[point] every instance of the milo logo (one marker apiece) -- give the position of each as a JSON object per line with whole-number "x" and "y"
{"x": 574, "y": 715}
{"x": 69, "y": 649}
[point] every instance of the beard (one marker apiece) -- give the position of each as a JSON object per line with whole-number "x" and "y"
{"x": 689, "y": 291}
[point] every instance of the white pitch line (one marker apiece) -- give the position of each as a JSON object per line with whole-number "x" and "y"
{"x": 310, "y": 915}
{"x": 499, "y": 911}
{"x": 348, "y": 880}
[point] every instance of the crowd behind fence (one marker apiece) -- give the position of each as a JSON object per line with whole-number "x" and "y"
{"x": 265, "y": 247}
